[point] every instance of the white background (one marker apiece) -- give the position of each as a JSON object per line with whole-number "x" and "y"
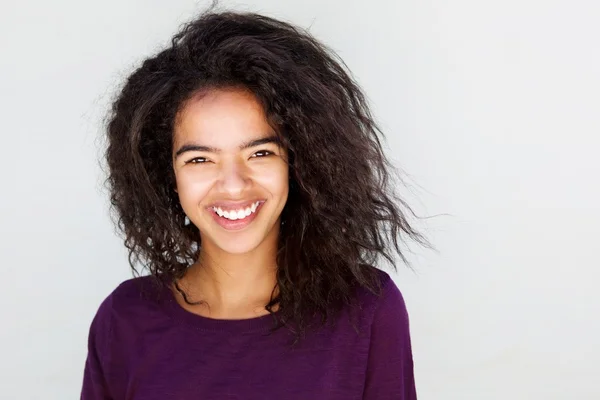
{"x": 491, "y": 107}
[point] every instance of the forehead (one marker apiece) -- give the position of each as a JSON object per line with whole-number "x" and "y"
{"x": 221, "y": 118}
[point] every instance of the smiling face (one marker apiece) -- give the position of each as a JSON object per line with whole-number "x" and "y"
{"x": 231, "y": 173}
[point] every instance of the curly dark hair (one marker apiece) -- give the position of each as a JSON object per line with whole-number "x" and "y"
{"x": 342, "y": 215}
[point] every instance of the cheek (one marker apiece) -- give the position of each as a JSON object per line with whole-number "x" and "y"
{"x": 274, "y": 179}
{"x": 192, "y": 188}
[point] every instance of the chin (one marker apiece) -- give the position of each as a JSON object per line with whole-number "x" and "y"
{"x": 239, "y": 243}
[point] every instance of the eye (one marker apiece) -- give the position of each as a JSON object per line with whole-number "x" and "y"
{"x": 262, "y": 153}
{"x": 197, "y": 160}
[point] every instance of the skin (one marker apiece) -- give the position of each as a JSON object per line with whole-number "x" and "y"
{"x": 234, "y": 276}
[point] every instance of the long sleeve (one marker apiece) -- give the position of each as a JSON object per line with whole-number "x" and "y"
{"x": 390, "y": 364}
{"x": 94, "y": 377}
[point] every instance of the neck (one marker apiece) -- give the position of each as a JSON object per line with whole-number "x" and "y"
{"x": 231, "y": 286}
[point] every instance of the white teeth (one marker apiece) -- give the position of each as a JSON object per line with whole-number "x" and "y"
{"x": 237, "y": 214}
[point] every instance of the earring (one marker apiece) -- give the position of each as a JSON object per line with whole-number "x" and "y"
{"x": 186, "y": 221}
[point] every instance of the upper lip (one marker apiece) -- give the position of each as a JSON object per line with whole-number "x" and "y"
{"x": 233, "y": 205}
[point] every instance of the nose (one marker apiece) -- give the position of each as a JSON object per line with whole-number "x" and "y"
{"x": 234, "y": 178}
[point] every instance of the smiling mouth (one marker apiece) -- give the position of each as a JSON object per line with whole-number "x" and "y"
{"x": 239, "y": 213}
{"x": 236, "y": 218}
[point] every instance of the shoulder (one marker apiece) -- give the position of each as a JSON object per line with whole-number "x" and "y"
{"x": 136, "y": 289}
{"x": 128, "y": 298}
{"x": 388, "y": 305}
{"x": 389, "y": 363}
{"x": 388, "y": 293}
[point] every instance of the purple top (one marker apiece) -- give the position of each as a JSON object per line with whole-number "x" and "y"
{"x": 150, "y": 348}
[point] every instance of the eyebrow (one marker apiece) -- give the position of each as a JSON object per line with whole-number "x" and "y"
{"x": 246, "y": 145}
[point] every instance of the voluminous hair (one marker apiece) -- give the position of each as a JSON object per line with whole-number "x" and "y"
{"x": 342, "y": 215}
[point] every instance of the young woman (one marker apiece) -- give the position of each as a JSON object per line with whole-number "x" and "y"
{"x": 248, "y": 178}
